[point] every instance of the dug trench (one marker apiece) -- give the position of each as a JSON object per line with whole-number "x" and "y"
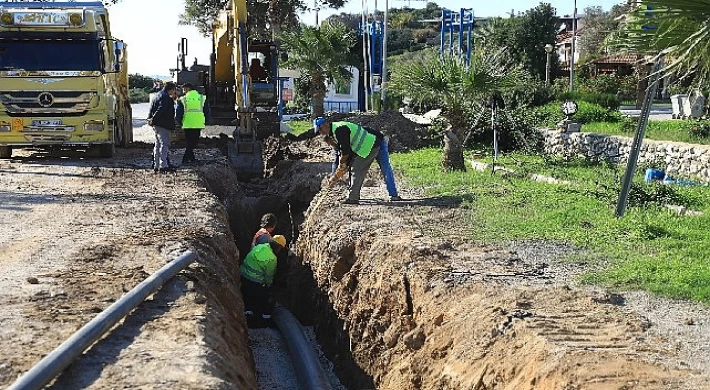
{"x": 400, "y": 298}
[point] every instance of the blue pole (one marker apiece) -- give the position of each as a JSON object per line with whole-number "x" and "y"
{"x": 443, "y": 32}
{"x": 470, "y": 37}
{"x": 461, "y": 30}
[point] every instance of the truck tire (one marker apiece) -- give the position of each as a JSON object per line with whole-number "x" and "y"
{"x": 104, "y": 150}
{"x": 5, "y": 151}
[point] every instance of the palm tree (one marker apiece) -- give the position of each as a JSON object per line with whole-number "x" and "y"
{"x": 677, "y": 29}
{"x": 322, "y": 55}
{"x": 457, "y": 88}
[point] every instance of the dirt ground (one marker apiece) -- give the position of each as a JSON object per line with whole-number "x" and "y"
{"x": 77, "y": 234}
{"x": 422, "y": 307}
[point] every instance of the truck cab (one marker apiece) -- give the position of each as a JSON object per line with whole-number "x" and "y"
{"x": 63, "y": 78}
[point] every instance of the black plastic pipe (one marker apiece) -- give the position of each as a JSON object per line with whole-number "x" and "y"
{"x": 311, "y": 375}
{"x": 59, "y": 359}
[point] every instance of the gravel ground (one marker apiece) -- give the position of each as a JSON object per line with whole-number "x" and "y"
{"x": 274, "y": 370}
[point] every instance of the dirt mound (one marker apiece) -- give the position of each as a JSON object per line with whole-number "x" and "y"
{"x": 403, "y": 134}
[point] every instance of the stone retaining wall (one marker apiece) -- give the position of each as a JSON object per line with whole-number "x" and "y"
{"x": 685, "y": 160}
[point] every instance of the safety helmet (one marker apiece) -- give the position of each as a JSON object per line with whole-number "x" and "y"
{"x": 317, "y": 122}
{"x": 279, "y": 239}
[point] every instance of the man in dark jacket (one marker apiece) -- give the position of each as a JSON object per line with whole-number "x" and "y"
{"x": 162, "y": 118}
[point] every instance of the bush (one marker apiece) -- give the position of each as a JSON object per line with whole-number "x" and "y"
{"x": 533, "y": 93}
{"x": 515, "y": 130}
{"x": 137, "y": 95}
{"x": 601, "y": 84}
{"x": 550, "y": 114}
{"x": 605, "y": 100}
{"x": 697, "y": 128}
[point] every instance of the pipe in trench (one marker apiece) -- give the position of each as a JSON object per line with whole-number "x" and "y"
{"x": 311, "y": 375}
{"x": 61, "y": 357}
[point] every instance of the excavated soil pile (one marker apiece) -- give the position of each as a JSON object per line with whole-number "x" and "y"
{"x": 403, "y": 134}
{"x": 421, "y": 308}
{"x": 78, "y": 234}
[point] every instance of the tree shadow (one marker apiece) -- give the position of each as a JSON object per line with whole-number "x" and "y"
{"x": 438, "y": 201}
{"x": 87, "y": 369}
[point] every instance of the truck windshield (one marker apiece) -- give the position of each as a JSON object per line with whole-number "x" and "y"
{"x": 46, "y": 55}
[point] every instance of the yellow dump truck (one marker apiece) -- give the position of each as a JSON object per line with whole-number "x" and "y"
{"x": 63, "y": 78}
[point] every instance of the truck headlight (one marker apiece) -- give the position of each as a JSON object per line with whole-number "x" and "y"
{"x": 76, "y": 19}
{"x": 94, "y": 126}
{"x": 4, "y": 127}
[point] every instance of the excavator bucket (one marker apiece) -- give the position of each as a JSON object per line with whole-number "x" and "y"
{"x": 245, "y": 153}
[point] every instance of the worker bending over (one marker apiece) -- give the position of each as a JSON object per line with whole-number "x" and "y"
{"x": 359, "y": 146}
{"x": 263, "y": 235}
{"x": 257, "y": 275}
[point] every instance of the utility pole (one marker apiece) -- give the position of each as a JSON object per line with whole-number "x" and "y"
{"x": 571, "y": 58}
{"x": 383, "y": 85}
{"x": 365, "y": 76}
{"x": 316, "y": 8}
{"x": 638, "y": 138}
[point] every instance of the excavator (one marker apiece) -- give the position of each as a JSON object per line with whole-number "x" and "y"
{"x": 243, "y": 88}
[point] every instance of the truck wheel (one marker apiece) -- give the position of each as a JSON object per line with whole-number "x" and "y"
{"x": 5, "y": 152}
{"x": 105, "y": 150}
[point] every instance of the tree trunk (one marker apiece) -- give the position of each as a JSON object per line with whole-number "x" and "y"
{"x": 452, "y": 159}
{"x": 318, "y": 96}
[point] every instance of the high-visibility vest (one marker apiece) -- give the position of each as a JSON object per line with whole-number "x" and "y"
{"x": 258, "y": 234}
{"x": 259, "y": 265}
{"x": 361, "y": 141}
{"x": 194, "y": 105}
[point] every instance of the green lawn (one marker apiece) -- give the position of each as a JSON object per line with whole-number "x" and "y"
{"x": 300, "y": 126}
{"x": 665, "y": 130}
{"x": 651, "y": 248}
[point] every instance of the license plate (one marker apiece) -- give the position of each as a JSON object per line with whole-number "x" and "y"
{"x": 47, "y": 122}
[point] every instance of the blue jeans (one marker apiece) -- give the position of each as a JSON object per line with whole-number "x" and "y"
{"x": 383, "y": 160}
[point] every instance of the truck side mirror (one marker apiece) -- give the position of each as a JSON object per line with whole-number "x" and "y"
{"x": 118, "y": 50}
{"x": 284, "y": 56}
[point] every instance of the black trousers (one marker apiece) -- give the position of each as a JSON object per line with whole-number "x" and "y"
{"x": 192, "y": 138}
{"x": 257, "y": 298}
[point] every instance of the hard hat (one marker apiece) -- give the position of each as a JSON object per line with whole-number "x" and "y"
{"x": 279, "y": 239}
{"x": 317, "y": 122}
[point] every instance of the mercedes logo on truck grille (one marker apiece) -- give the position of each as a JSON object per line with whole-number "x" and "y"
{"x": 45, "y": 99}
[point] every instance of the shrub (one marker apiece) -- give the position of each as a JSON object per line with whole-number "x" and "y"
{"x": 629, "y": 124}
{"x": 550, "y": 114}
{"x": 137, "y": 95}
{"x": 516, "y": 130}
{"x": 605, "y": 100}
{"x": 601, "y": 84}
{"x": 532, "y": 93}
{"x": 697, "y": 128}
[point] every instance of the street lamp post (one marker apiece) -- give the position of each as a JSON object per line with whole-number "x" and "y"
{"x": 383, "y": 85}
{"x": 574, "y": 38}
{"x": 548, "y": 50}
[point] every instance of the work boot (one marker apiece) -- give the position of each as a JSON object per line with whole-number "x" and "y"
{"x": 395, "y": 198}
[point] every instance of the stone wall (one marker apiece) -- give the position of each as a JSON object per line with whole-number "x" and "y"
{"x": 684, "y": 160}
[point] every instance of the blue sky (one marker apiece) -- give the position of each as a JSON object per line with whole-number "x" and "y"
{"x": 150, "y": 27}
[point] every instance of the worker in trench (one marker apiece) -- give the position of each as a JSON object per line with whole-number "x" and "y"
{"x": 359, "y": 146}
{"x": 257, "y": 275}
{"x": 267, "y": 226}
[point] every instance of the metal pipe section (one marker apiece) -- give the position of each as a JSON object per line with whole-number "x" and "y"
{"x": 61, "y": 357}
{"x": 311, "y": 375}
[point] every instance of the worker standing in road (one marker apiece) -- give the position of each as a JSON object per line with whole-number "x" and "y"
{"x": 358, "y": 146}
{"x": 191, "y": 114}
{"x": 263, "y": 235}
{"x": 161, "y": 118}
{"x": 257, "y": 275}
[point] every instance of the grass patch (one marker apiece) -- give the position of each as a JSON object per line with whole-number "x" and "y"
{"x": 651, "y": 248}
{"x": 299, "y": 127}
{"x": 665, "y": 130}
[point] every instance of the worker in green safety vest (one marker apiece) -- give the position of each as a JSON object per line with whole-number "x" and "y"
{"x": 191, "y": 114}
{"x": 358, "y": 146}
{"x": 257, "y": 275}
